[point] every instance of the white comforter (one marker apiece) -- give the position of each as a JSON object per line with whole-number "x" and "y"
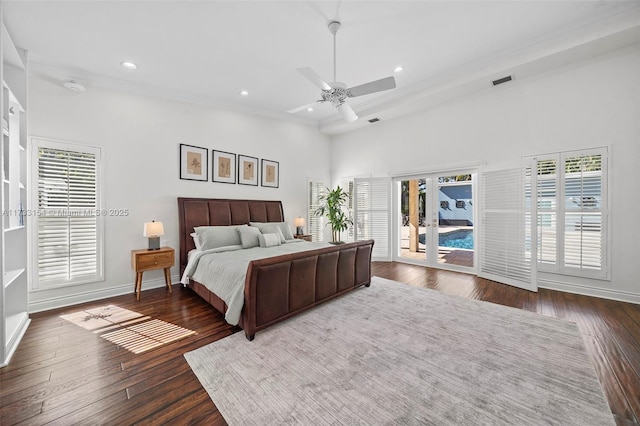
{"x": 223, "y": 270}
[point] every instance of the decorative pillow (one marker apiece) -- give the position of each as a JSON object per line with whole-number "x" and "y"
{"x": 249, "y": 236}
{"x": 283, "y": 226}
{"x": 269, "y": 240}
{"x": 218, "y": 236}
{"x": 196, "y": 241}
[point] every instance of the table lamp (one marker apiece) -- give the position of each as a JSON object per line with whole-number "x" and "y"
{"x": 299, "y": 223}
{"x": 153, "y": 230}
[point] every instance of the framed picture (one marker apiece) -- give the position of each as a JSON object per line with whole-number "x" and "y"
{"x": 224, "y": 166}
{"x": 193, "y": 163}
{"x": 247, "y": 170}
{"x": 270, "y": 173}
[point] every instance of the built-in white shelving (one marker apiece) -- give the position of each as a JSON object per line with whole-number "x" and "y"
{"x": 14, "y": 291}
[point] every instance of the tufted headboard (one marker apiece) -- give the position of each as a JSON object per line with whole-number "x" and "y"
{"x": 220, "y": 212}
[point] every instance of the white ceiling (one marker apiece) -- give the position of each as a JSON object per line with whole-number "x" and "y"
{"x": 207, "y": 51}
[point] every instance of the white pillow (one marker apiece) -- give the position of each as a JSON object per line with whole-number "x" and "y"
{"x": 249, "y": 236}
{"x": 269, "y": 228}
{"x": 284, "y": 228}
{"x": 196, "y": 241}
{"x": 269, "y": 240}
{"x": 218, "y": 236}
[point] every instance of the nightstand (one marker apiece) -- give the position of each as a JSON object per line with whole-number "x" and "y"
{"x": 148, "y": 260}
{"x": 306, "y": 237}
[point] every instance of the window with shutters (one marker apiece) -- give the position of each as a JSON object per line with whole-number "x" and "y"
{"x": 68, "y": 219}
{"x": 315, "y": 223}
{"x": 372, "y": 213}
{"x": 571, "y": 206}
{"x": 347, "y": 185}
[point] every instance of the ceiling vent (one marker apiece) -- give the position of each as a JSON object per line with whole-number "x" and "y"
{"x": 502, "y": 80}
{"x": 373, "y": 120}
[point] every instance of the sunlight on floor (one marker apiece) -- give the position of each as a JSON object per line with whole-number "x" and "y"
{"x": 131, "y": 330}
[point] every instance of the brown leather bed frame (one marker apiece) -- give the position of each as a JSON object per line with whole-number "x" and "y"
{"x": 280, "y": 287}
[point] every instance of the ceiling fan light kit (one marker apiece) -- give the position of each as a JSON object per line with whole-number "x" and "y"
{"x": 337, "y": 92}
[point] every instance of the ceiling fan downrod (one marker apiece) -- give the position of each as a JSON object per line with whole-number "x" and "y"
{"x": 334, "y": 26}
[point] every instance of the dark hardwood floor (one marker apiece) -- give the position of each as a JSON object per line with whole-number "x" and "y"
{"x": 65, "y": 371}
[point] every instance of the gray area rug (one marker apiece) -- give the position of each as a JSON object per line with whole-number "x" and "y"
{"x": 397, "y": 354}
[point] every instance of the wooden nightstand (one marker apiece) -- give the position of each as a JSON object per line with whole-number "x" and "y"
{"x": 306, "y": 237}
{"x": 147, "y": 260}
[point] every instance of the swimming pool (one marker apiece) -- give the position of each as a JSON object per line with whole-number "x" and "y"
{"x": 462, "y": 238}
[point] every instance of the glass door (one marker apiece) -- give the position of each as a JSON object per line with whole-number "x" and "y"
{"x": 455, "y": 220}
{"x": 412, "y": 226}
{"x": 436, "y": 220}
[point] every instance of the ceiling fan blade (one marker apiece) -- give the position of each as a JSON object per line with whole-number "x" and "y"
{"x": 303, "y": 107}
{"x": 314, "y": 78}
{"x": 372, "y": 87}
{"x": 347, "y": 112}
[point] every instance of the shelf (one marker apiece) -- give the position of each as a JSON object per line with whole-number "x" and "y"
{"x": 14, "y": 290}
{"x": 10, "y": 276}
{"x": 14, "y": 228}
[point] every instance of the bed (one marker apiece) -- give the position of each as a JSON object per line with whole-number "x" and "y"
{"x": 281, "y": 286}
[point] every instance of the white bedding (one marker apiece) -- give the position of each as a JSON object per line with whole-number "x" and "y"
{"x": 223, "y": 270}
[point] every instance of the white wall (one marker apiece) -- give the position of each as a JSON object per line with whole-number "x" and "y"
{"x": 140, "y": 136}
{"x": 584, "y": 105}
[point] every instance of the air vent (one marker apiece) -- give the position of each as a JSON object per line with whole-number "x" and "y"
{"x": 373, "y": 120}
{"x": 502, "y": 80}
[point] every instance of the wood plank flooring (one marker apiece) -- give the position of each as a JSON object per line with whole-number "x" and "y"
{"x": 65, "y": 374}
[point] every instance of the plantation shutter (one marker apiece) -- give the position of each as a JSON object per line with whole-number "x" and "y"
{"x": 505, "y": 232}
{"x": 572, "y": 212}
{"x": 349, "y": 234}
{"x": 373, "y": 214}
{"x": 547, "y": 210}
{"x": 315, "y": 223}
{"x": 69, "y": 217}
{"x": 584, "y": 210}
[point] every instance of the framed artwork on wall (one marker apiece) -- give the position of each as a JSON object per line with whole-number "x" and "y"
{"x": 270, "y": 173}
{"x": 224, "y": 166}
{"x": 247, "y": 170}
{"x": 194, "y": 163}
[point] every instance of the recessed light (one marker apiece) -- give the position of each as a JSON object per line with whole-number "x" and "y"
{"x": 309, "y": 109}
{"x": 129, "y": 65}
{"x": 244, "y": 93}
{"x": 399, "y": 68}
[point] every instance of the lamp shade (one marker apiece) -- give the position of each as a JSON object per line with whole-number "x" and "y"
{"x": 153, "y": 229}
{"x": 299, "y": 223}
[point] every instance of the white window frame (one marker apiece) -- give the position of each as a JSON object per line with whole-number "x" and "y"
{"x": 558, "y": 266}
{"x": 35, "y": 213}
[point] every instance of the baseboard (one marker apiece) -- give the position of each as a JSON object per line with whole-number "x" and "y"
{"x": 90, "y": 296}
{"x": 621, "y": 296}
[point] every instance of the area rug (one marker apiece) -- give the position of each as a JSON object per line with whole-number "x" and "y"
{"x": 397, "y": 354}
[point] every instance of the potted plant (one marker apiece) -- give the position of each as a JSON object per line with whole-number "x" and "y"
{"x": 331, "y": 206}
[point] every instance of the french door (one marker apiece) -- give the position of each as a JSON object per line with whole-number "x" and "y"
{"x": 435, "y": 218}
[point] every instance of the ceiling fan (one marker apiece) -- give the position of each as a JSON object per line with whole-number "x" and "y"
{"x": 337, "y": 92}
